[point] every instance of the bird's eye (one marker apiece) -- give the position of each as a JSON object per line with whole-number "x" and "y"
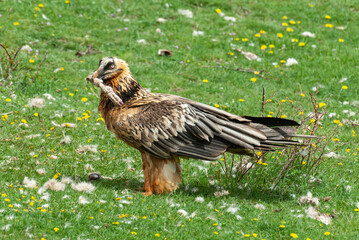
{"x": 112, "y": 66}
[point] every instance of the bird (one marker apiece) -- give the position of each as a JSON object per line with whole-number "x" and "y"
{"x": 165, "y": 127}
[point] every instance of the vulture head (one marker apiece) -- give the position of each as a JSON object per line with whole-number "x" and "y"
{"x": 110, "y": 68}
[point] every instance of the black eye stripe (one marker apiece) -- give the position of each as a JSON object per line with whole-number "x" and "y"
{"x": 108, "y": 65}
{"x": 99, "y": 63}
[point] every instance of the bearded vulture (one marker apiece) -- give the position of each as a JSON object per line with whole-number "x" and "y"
{"x": 164, "y": 127}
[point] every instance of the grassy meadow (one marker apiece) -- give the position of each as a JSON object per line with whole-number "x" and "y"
{"x": 50, "y": 127}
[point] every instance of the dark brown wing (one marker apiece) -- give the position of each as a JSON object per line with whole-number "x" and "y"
{"x": 170, "y": 125}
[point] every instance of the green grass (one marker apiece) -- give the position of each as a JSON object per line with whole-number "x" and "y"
{"x": 97, "y": 23}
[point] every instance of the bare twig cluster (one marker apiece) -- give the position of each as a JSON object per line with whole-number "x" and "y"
{"x": 11, "y": 63}
{"x": 8, "y": 62}
{"x": 306, "y": 157}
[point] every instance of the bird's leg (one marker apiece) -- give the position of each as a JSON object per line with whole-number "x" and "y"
{"x": 161, "y": 175}
{"x": 106, "y": 89}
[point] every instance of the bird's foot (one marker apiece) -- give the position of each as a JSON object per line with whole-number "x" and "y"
{"x": 147, "y": 193}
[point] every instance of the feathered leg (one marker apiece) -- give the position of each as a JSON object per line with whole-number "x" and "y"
{"x": 161, "y": 175}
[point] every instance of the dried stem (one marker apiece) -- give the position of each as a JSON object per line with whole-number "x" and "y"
{"x": 43, "y": 60}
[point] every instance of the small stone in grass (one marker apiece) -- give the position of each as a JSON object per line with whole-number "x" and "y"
{"x": 94, "y": 176}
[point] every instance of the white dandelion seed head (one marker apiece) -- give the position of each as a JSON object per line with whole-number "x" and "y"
{"x": 161, "y": 20}
{"x": 231, "y": 19}
{"x": 182, "y": 212}
{"x": 186, "y": 13}
{"x": 29, "y": 183}
{"x": 87, "y": 148}
{"x": 88, "y": 167}
{"x": 260, "y": 206}
{"x": 48, "y": 96}
{"x": 36, "y": 102}
{"x": 197, "y": 33}
{"x": 66, "y": 140}
{"x": 54, "y": 185}
{"x": 290, "y": 62}
{"x": 199, "y": 199}
{"x": 83, "y": 200}
{"x": 41, "y": 171}
{"x": 142, "y": 41}
{"x": 83, "y": 187}
{"x": 308, "y": 34}
{"x": 232, "y": 210}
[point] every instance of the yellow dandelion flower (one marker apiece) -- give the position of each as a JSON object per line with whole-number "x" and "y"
{"x": 322, "y": 104}
{"x": 301, "y": 44}
{"x": 283, "y": 116}
{"x": 16, "y": 23}
{"x": 8, "y": 100}
{"x": 311, "y": 5}
{"x": 216, "y": 105}
{"x": 31, "y": 60}
{"x": 241, "y": 100}
{"x": 292, "y": 22}
{"x": 264, "y": 47}
{"x": 157, "y": 235}
{"x": 290, "y": 29}
{"x": 237, "y": 39}
{"x": 230, "y": 53}
{"x": 41, "y": 5}
{"x": 298, "y": 22}
{"x": 23, "y": 121}
{"x": 271, "y": 46}
{"x": 281, "y": 226}
{"x": 302, "y": 94}
{"x": 71, "y": 94}
{"x": 283, "y": 100}
{"x": 293, "y": 235}
{"x": 84, "y": 99}
{"x": 245, "y": 39}
{"x": 340, "y": 164}
{"x": 67, "y": 1}
{"x": 215, "y": 233}
{"x": 36, "y": 114}
{"x": 327, "y": 233}
{"x": 344, "y": 87}
{"x": 356, "y": 210}
{"x": 255, "y": 235}
{"x": 327, "y": 17}
{"x": 218, "y": 11}
{"x": 247, "y": 235}
{"x": 284, "y": 24}
{"x": 328, "y": 25}
{"x": 284, "y": 17}
{"x": 133, "y": 233}
{"x": 341, "y": 40}
{"x": 294, "y": 40}
{"x": 257, "y": 35}
{"x": 205, "y": 80}
{"x": 262, "y": 32}
{"x": 56, "y": 229}
{"x": 253, "y": 79}
{"x": 62, "y": 69}
{"x": 303, "y": 163}
{"x": 280, "y": 35}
